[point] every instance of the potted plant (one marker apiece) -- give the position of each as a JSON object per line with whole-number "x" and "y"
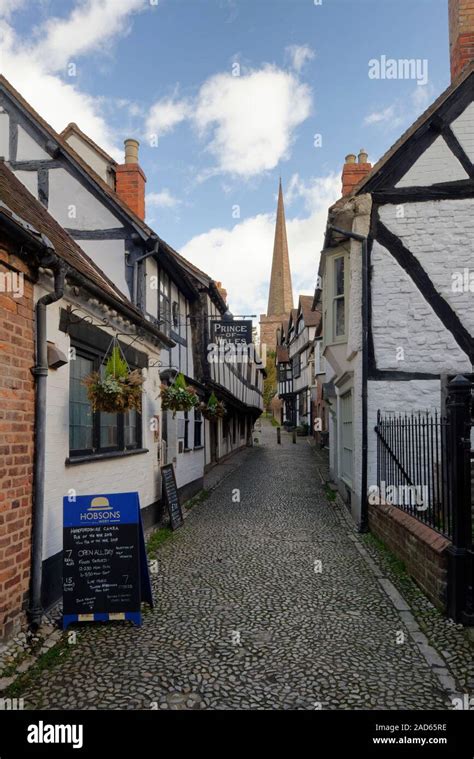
{"x": 178, "y": 396}
{"x": 116, "y": 389}
{"x": 213, "y": 409}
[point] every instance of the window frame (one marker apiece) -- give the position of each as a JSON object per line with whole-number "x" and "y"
{"x": 97, "y": 358}
{"x": 198, "y": 427}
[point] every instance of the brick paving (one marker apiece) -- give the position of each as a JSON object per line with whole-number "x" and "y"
{"x": 263, "y": 604}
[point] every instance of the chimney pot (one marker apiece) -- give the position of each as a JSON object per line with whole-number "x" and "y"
{"x": 363, "y": 156}
{"x": 131, "y": 150}
{"x": 351, "y": 158}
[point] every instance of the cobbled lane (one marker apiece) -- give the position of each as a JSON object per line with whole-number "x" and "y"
{"x": 244, "y": 619}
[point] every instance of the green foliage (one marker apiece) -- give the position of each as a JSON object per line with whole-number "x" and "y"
{"x": 270, "y": 386}
{"x": 116, "y": 365}
{"x": 178, "y": 396}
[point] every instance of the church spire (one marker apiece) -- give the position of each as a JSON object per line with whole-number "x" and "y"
{"x": 280, "y": 298}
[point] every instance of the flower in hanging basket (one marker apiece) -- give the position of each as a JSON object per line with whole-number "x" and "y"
{"x": 118, "y": 389}
{"x": 178, "y": 396}
{"x": 213, "y": 409}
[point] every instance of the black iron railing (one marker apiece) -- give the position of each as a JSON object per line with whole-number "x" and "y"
{"x": 412, "y": 466}
{"x": 424, "y": 468}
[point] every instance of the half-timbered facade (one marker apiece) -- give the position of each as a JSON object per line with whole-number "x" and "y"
{"x": 295, "y": 359}
{"x": 396, "y": 290}
{"x": 100, "y": 205}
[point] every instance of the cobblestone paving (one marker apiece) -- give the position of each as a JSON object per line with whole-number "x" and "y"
{"x": 242, "y": 619}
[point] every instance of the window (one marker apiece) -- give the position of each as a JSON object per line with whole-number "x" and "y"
{"x": 164, "y": 314}
{"x": 339, "y": 316}
{"x": 96, "y": 432}
{"x": 296, "y": 365}
{"x": 186, "y": 430}
{"x": 197, "y": 429}
{"x": 175, "y": 313}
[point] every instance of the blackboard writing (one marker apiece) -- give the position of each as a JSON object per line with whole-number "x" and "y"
{"x": 170, "y": 492}
{"x": 103, "y": 565}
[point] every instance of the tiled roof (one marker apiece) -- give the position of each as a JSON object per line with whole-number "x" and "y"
{"x": 311, "y": 318}
{"x": 17, "y": 203}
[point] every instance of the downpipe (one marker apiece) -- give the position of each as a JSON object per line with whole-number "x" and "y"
{"x": 40, "y": 372}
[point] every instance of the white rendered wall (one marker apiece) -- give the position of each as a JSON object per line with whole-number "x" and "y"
{"x": 129, "y": 473}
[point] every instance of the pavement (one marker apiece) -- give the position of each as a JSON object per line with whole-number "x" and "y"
{"x": 264, "y": 599}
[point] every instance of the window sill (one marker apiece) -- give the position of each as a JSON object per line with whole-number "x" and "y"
{"x": 187, "y": 450}
{"x": 73, "y": 460}
{"x": 198, "y": 447}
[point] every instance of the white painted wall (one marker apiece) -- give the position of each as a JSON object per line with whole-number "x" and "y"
{"x": 403, "y": 320}
{"x": 74, "y": 207}
{"x": 109, "y": 255}
{"x": 28, "y": 149}
{"x": 96, "y": 161}
{"x": 436, "y": 164}
{"x": 139, "y": 472}
{"x": 30, "y": 180}
{"x": 440, "y": 234}
{"x": 4, "y": 135}
{"x": 463, "y": 128}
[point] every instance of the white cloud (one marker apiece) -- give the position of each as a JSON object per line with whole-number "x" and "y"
{"x": 92, "y": 25}
{"x": 251, "y": 118}
{"x": 248, "y": 120}
{"x": 240, "y": 257}
{"x": 163, "y": 199}
{"x": 34, "y": 66}
{"x": 380, "y": 116}
{"x": 299, "y": 55}
{"x": 165, "y": 114}
{"x": 7, "y": 7}
{"x": 402, "y": 112}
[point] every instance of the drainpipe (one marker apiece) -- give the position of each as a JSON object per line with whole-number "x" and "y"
{"x": 137, "y": 261}
{"x": 363, "y": 525}
{"x": 40, "y": 371}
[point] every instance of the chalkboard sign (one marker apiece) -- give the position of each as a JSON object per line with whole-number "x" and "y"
{"x": 170, "y": 492}
{"x": 105, "y": 571}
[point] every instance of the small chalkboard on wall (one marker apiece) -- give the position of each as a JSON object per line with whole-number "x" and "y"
{"x": 171, "y": 496}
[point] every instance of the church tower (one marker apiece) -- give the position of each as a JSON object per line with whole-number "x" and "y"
{"x": 280, "y": 297}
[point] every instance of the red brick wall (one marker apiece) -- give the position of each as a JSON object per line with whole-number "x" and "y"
{"x": 422, "y": 550}
{"x": 461, "y": 34}
{"x": 16, "y": 444}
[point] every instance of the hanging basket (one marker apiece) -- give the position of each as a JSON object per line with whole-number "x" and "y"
{"x": 213, "y": 409}
{"x": 178, "y": 396}
{"x": 118, "y": 389}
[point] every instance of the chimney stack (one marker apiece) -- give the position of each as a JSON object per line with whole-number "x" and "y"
{"x": 355, "y": 169}
{"x": 130, "y": 180}
{"x": 461, "y": 35}
{"x": 222, "y": 291}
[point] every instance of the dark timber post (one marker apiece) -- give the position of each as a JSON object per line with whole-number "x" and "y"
{"x": 278, "y": 435}
{"x": 294, "y": 436}
{"x": 460, "y": 566}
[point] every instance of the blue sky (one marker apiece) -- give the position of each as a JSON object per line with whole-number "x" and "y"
{"x": 166, "y": 71}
